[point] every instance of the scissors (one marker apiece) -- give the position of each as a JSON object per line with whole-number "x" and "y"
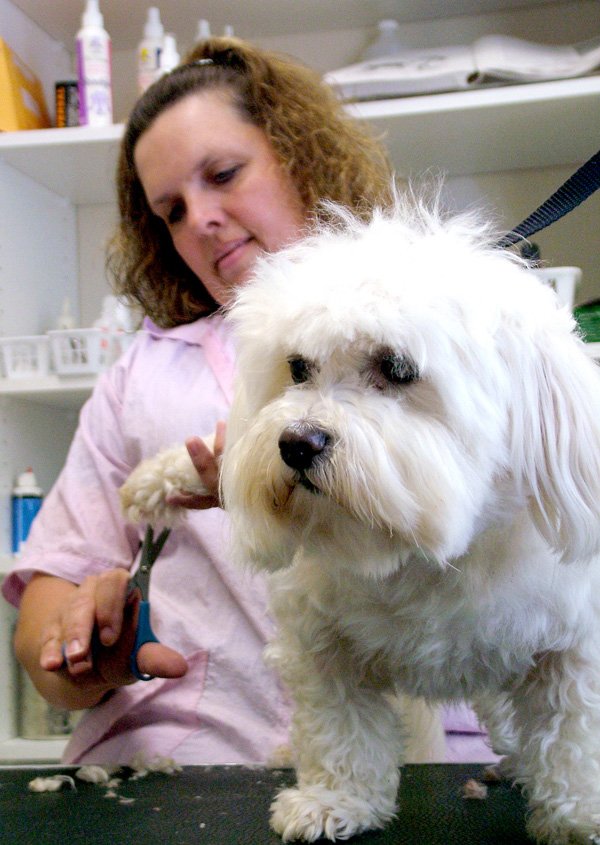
{"x": 151, "y": 549}
{"x": 140, "y": 580}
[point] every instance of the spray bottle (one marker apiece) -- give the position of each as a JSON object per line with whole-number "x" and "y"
{"x": 94, "y": 73}
{"x": 169, "y": 57}
{"x": 26, "y": 502}
{"x": 203, "y": 30}
{"x": 149, "y": 50}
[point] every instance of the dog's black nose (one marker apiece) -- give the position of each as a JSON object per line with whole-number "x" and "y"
{"x": 299, "y": 445}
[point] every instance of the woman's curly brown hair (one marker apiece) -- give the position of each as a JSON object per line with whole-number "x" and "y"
{"x": 329, "y": 155}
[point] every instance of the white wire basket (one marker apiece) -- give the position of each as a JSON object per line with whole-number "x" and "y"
{"x": 80, "y": 351}
{"x": 25, "y": 357}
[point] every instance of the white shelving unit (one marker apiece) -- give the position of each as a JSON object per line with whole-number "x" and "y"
{"x": 52, "y": 391}
{"x": 491, "y": 129}
{"x": 463, "y": 132}
{"x": 53, "y": 182}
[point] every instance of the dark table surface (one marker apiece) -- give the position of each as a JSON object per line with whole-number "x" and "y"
{"x": 230, "y": 806}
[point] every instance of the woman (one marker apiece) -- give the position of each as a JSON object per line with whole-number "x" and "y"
{"x": 230, "y": 155}
{"x": 223, "y": 158}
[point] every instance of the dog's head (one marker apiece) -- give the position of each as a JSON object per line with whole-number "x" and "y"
{"x": 403, "y": 385}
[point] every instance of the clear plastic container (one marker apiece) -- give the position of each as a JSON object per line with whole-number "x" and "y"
{"x": 387, "y": 43}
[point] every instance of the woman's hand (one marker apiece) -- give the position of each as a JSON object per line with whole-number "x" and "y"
{"x": 56, "y": 614}
{"x": 207, "y": 466}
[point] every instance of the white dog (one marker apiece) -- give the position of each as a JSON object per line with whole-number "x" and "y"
{"x": 414, "y": 452}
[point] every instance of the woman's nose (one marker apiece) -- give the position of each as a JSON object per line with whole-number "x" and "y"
{"x": 204, "y": 213}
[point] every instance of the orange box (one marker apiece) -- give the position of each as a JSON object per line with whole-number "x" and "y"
{"x": 22, "y": 104}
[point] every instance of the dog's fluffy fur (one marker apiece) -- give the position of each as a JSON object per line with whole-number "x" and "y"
{"x": 414, "y": 453}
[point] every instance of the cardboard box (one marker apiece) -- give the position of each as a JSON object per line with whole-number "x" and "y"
{"x": 22, "y": 104}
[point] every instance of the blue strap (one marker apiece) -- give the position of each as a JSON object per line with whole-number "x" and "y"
{"x": 572, "y": 193}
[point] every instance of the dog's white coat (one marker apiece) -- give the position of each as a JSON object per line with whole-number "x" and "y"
{"x": 447, "y": 546}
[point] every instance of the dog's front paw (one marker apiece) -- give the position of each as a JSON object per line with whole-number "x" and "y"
{"x": 313, "y": 812}
{"x": 144, "y": 494}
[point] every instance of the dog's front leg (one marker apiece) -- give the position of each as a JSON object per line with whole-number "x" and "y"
{"x": 144, "y": 495}
{"x": 347, "y": 744}
{"x": 557, "y": 709}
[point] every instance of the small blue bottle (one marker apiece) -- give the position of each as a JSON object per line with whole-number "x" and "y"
{"x": 26, "y": 502}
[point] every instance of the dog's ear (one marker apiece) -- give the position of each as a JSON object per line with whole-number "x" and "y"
{"x": 555, "y": 433}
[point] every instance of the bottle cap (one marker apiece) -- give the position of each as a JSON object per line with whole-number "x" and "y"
{"x": 92, "y": 15}
{"x": 27, "y": 484}
{"x": 153, "y": 27}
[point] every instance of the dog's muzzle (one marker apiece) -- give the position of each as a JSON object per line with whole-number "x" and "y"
{"x": 300, "y": 445}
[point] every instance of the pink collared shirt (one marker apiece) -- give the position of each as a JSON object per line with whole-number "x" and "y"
{"x": 229, "y": 708}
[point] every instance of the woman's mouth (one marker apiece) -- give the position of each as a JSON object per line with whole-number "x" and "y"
{"x": 229, "y": 253}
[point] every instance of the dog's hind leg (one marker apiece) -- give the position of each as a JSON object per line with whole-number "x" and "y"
{"x": 496, "y": 713}
{"x": 557, "y": 709}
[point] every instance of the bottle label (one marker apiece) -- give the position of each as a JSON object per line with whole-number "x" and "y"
{"x": 149, "y": 69}
{"x": 95, "y": 83}
{"x": 24, "y": 511}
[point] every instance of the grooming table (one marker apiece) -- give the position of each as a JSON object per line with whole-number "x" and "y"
{"x": 229, "y": 805}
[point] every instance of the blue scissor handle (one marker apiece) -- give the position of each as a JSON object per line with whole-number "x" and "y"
{"x": 143, "y": 634}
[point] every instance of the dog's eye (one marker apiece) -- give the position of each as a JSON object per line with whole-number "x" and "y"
{"x": 398, "y": 369}
{"x": 300, "y": 370}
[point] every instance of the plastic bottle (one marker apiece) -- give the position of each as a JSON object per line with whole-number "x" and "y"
{"x": 149, "y": 50}
{"x": 203, "y": 30}
{"x": 26, "y": 502}
{"x": 65, "y": 320}
{"x": 94, "y": 69}
{"x": 169, "y": 58}
{"x": 387, "y": 42}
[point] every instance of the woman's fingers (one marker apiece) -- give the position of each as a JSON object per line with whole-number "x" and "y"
{"x": 78, "y": 622}
{"x": 161, "y": 661}
{"x": 206, "y": 464}
{"x": 51, "y": 652}
{"x": 111, "y": 595}
{"x": 220, "y": 431}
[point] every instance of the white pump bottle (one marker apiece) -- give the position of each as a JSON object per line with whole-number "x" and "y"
{"x": 94, "y": 69}
{"x": 149, "y": 50}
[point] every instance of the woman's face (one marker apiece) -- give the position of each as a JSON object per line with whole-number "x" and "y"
{"x": 216, "y": 183}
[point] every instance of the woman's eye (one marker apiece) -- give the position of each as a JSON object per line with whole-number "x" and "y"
{"x": 398, "y": 369}
{"x": 299, "y": 369}
{"x": 175, "y": 214}
{"x": 224, "y": 176}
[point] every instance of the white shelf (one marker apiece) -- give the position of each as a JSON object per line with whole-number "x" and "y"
{"x": 71, "y": 393}
{"x": 492, "y": 129}
{"x": 31, "y": 750}
{"x": 464, "y": 132}
{"x": 78, "y": 163}
{"x": 53, "y": 390}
